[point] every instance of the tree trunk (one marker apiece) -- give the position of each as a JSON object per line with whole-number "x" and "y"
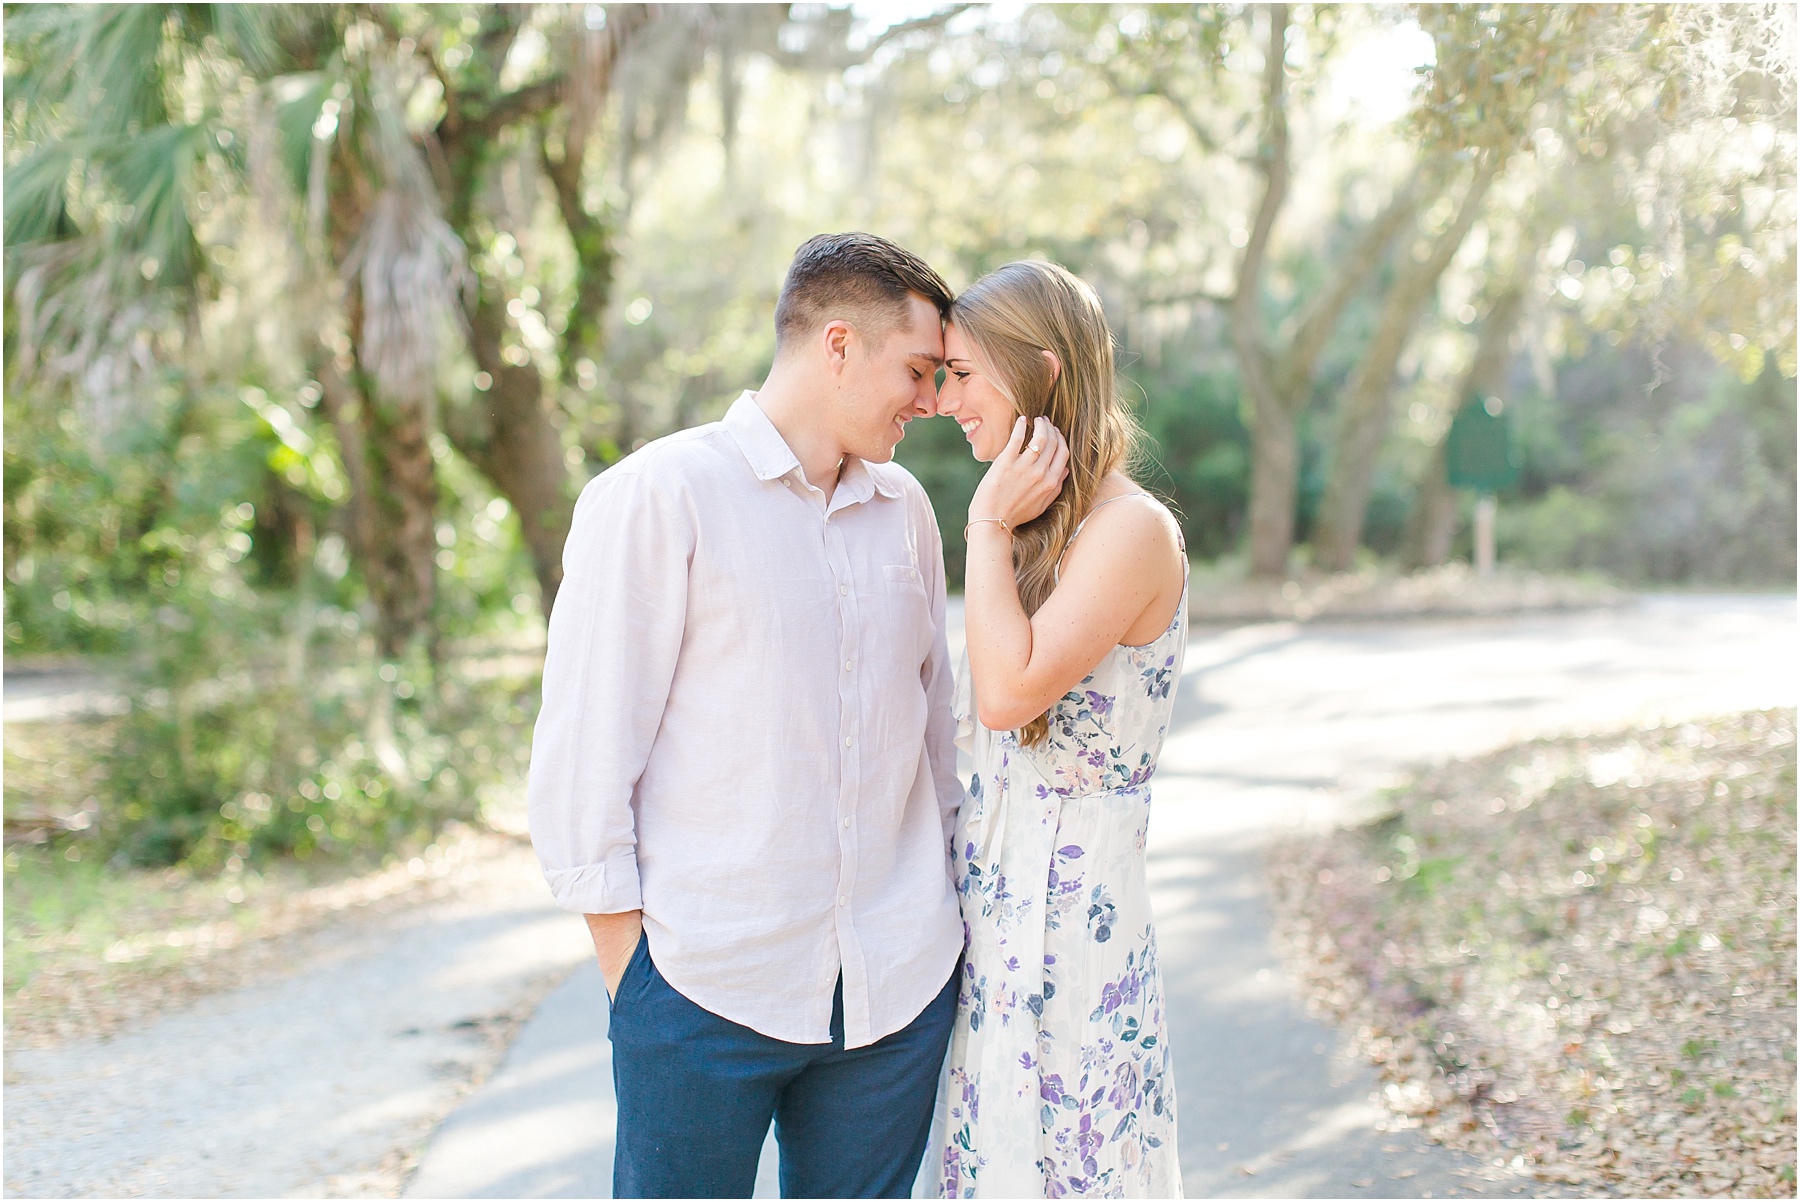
{"x": 1432, "y": 527}
{"x": 404, "y": 579}
{"x": 508, "y": 434}
{"x": 1274, "y": 452}
{"x": 1274, "y": 486}
{"x": 1433, "y": 524}
{"x": 386, "y": 449}
{"x": 1364, "y": 418}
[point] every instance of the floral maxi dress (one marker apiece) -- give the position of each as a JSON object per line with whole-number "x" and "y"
{"x": 1058, "y": 1081}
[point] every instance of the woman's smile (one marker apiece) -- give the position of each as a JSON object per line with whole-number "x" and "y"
{"x": 969, "y": 397}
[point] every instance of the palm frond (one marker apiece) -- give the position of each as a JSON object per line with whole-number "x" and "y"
{"x": 251, "y": 33}
{"x": 43, "y": 43}
{"x": 299, "y": 99}
{"x": 153, "y": 173}
{"x": 37, "y": 195}
{"x": 118, "y": 89}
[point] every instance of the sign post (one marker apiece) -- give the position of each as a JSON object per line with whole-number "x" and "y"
{"x": 1479, "y": 454}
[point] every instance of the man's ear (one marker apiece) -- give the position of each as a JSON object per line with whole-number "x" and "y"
{"x": 835, "y": 340}
{"x": 1055, "y": 365}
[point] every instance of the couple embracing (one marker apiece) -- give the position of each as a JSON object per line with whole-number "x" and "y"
{"x": 744, "y": 772}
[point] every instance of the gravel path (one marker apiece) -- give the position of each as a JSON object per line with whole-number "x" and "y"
{"x": 322, "y": 1082}
{"x": 1278, "y": 725}
{"x": 328, "y": 1080}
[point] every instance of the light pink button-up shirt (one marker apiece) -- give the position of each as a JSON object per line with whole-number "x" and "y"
{"x": 746, "y": 730}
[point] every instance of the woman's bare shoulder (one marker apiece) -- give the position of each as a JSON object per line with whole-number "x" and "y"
{"x": 1143, "y": 520}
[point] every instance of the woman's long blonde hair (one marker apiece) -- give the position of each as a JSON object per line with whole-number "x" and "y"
{"x": 1011, "y": 316}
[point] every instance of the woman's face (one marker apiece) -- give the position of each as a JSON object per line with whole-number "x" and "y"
{"x": 971, "y": 397}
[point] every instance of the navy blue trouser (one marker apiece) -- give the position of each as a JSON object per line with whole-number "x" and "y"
{"x": 696, "y": 1093}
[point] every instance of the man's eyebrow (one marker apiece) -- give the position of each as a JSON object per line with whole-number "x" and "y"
{"x": 934, "y": 360}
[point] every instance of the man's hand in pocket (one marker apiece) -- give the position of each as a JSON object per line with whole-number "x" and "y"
{"x": 615, "y": 939}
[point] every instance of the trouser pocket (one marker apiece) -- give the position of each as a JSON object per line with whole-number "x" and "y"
{"x": 640, "y": 959}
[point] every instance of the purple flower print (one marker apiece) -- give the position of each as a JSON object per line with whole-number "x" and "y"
{"x": 1104, "y": 1120}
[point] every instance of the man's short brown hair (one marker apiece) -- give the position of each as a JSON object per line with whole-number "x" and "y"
{"x": 858, "y": 277}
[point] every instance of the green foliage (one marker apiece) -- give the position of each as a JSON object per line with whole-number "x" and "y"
{"x": 1691, "y": 480}
{"x": 332, "y": 754}
{"x": 1197, "y": 455}
{"x": 182, "y": 549}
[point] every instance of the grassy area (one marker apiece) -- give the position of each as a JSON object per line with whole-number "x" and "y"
{"x": 92, "y": 941}
{"x": 91, "y": 946}
{"x": 1577, "y": 956}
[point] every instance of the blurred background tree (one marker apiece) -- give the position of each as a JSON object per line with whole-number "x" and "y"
{"x": 320, "y": 316}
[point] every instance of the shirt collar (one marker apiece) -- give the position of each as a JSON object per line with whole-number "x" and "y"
{"x": 769, "y": 455}
{"x": 771, "y": 458}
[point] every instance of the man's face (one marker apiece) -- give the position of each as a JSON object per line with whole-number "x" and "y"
{"x": 882, "y": 387}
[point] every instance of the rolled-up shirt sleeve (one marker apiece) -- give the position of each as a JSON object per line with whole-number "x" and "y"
{"x": 615, "y": 637}
{"x": 938, "y": 679}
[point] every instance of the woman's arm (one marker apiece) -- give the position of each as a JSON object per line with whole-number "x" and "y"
{"x": 1021, "y": 664}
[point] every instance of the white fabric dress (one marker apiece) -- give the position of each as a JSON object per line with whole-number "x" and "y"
{"x": 1058, "y": 1082}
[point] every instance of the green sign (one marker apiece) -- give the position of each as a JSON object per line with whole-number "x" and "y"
{"x": 1480, "y": 452}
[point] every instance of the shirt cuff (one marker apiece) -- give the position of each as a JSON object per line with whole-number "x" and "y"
{"x": 610, "y": 887}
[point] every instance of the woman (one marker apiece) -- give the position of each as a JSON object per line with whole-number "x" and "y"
{"x": 1058, "y": 1080}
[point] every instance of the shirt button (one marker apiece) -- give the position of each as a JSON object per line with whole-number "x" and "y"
{"x": 911, "y": 575}
{"x": 847, "y": 665}
{"x": 846, "y": 822}
{"x": 846, "y": 740}
{"x": 843, "y": 901}
{"x": 843, "y": 590}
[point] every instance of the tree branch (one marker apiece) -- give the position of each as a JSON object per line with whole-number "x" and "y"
{"x": 1159, "y": 87}
{"x": 532, "y": 100}
{"x": 837, "y": 58}
{"x": 929, "y": 21}
{"x": 1188, "y": 116}
{"x": 1223, "y": 300}
{"x": 1272, "y": 161}
{"x": 1321, "y": 316}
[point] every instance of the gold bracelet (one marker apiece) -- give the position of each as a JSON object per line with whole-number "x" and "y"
{"x": 974, "y": 522}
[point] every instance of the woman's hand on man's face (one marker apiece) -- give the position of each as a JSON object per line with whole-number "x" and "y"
{"x": 1026, "y": 476}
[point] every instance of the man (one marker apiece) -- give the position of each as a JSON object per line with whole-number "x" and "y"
{"x": 743, "y": 771}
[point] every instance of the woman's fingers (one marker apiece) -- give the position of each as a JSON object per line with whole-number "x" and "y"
{"x": 1059, "y": 462}
{"x": 1016, "y": 442}
{"x": 1051, "y": 444}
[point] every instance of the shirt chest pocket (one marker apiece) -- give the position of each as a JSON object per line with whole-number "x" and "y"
{"x": 902, "y": 612}
{"x": 901, "y": 577}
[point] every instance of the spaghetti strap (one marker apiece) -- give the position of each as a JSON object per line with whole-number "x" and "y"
{"x": 1124, "y": 496}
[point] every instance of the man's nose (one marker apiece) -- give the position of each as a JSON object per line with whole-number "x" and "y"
{"x": 927, "y": 400}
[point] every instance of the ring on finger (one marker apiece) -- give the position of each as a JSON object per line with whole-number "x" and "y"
{"x": 1033, "y": 447}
